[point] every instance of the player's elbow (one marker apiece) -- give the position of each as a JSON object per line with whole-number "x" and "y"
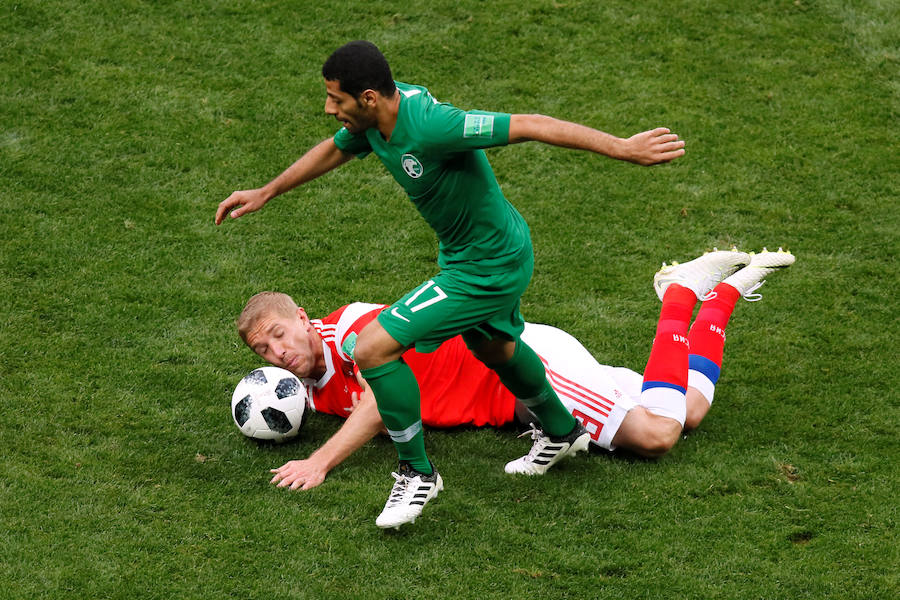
{"x": 525, "y": 128}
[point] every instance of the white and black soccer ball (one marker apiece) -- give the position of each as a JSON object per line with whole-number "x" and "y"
{"x": 269, "y": 404}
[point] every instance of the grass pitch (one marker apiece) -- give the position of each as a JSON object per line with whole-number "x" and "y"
{"x": 122, "y": 125}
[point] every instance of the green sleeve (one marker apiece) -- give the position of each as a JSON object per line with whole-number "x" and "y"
{"x": 456, "y": 130}
{"x": 352, "y": 144}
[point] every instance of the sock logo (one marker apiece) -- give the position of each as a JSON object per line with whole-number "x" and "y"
{"x": 717, "y": 330}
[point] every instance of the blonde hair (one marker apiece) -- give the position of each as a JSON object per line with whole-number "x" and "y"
{"x": 261, "y": 305}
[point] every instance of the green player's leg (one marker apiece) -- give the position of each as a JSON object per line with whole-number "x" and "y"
{"x": 524, "y": 375}
{"x": 397, "y": 395}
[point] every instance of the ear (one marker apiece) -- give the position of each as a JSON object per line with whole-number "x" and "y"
{"x": 301, "y": 314}
{"x": 369, "y": 97}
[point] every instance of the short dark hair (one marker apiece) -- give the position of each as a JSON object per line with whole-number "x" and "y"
{"x": 359, "y": 66}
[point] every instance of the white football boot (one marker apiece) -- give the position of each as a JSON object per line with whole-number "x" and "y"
{"x": 548, "y": 450}
{"x": 411, "y": 491}
{"x": 750, "y": 278}
{"x": 701, "y": 274}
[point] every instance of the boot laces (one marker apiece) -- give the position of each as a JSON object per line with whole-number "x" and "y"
{"x": 750, "y": 296}
{"x": 539, "y": 438}
{"x": 398, "y": 492}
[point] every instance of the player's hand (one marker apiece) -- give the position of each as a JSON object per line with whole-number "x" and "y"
{"x": 367, "y": 395}
{"x": 354, "y": 402}
{"x": 653, "y": 147}
{"x": 246, "y": 201}
{"x": 299, "y": 474}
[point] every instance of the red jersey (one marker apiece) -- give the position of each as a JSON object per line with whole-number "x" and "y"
{"x": 455, "y": 387}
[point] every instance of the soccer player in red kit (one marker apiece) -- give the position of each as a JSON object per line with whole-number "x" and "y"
{"x": 619, "y": 407}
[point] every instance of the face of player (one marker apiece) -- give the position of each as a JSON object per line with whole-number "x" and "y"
{"x": 356, "y": 114}
{"x": 291, "y": 343}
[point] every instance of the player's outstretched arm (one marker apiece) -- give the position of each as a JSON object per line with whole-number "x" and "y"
{"x": 646, "y": 148}
{"x": 362, "y": 425}
{"x": 320, "y": 159}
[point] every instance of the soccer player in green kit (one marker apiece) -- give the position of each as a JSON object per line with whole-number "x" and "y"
{"x": 435, "y": 151}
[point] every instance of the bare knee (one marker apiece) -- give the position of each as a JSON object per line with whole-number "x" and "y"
{"x": 692, "y": 420}
{"x": 660, "y": 438}
{"x": 647, "y": 434}
{"x": 375, "y": 347}
{"x": 697, "y": 407}
{"x": 365, "y": 354}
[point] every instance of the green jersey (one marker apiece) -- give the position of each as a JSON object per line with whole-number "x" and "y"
{"x": 436, "y": 153}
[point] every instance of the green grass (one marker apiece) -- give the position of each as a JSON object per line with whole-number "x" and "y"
{"x": 122, "y": 125}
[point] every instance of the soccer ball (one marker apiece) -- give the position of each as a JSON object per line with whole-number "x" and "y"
{"x": 269, "y": 404}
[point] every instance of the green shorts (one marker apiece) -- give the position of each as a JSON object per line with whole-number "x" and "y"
{"x": 453, "y": 302}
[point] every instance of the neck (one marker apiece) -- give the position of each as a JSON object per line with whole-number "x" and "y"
{"x": 387, "y": 115}
{"x": 318, "y": 370}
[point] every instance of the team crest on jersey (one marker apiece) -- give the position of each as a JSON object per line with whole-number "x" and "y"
{"x": 412, "y": 166}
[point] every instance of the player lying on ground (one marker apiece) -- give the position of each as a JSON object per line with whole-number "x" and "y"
{"x": 619, "y": 407}
{"x": 435, "y": 151}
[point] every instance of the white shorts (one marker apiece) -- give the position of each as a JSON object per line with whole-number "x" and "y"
{"x": 597, "y": 395}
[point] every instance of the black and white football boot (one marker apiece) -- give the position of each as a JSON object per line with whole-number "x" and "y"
{"x": 411, "y": 491}
{"x": 548, "y": 450}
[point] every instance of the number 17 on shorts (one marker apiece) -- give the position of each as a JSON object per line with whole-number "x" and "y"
{"x": 408, "y": 321}
{"x": 427, "y": 294}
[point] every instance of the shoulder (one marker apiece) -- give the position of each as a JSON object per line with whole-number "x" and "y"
{"x": 416, "y": 96}
{"x": 444, "y": 127}
{"x": 349, "y": 320}
{"x": 424, "y": 109}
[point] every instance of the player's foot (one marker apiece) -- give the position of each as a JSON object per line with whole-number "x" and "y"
{"x": 750, "y": 278}
{"x": 701, "y": 274}
{"x": 548, "y": 450}
{"x": 411, "y": 491}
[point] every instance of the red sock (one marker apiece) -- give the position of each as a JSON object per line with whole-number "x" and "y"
{"x": 707, "y": 335}
{"x": 667, "y": 366}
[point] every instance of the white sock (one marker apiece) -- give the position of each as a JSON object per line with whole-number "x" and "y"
{"x": 704, "y": 385}
{"x": 665, "y": 402}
